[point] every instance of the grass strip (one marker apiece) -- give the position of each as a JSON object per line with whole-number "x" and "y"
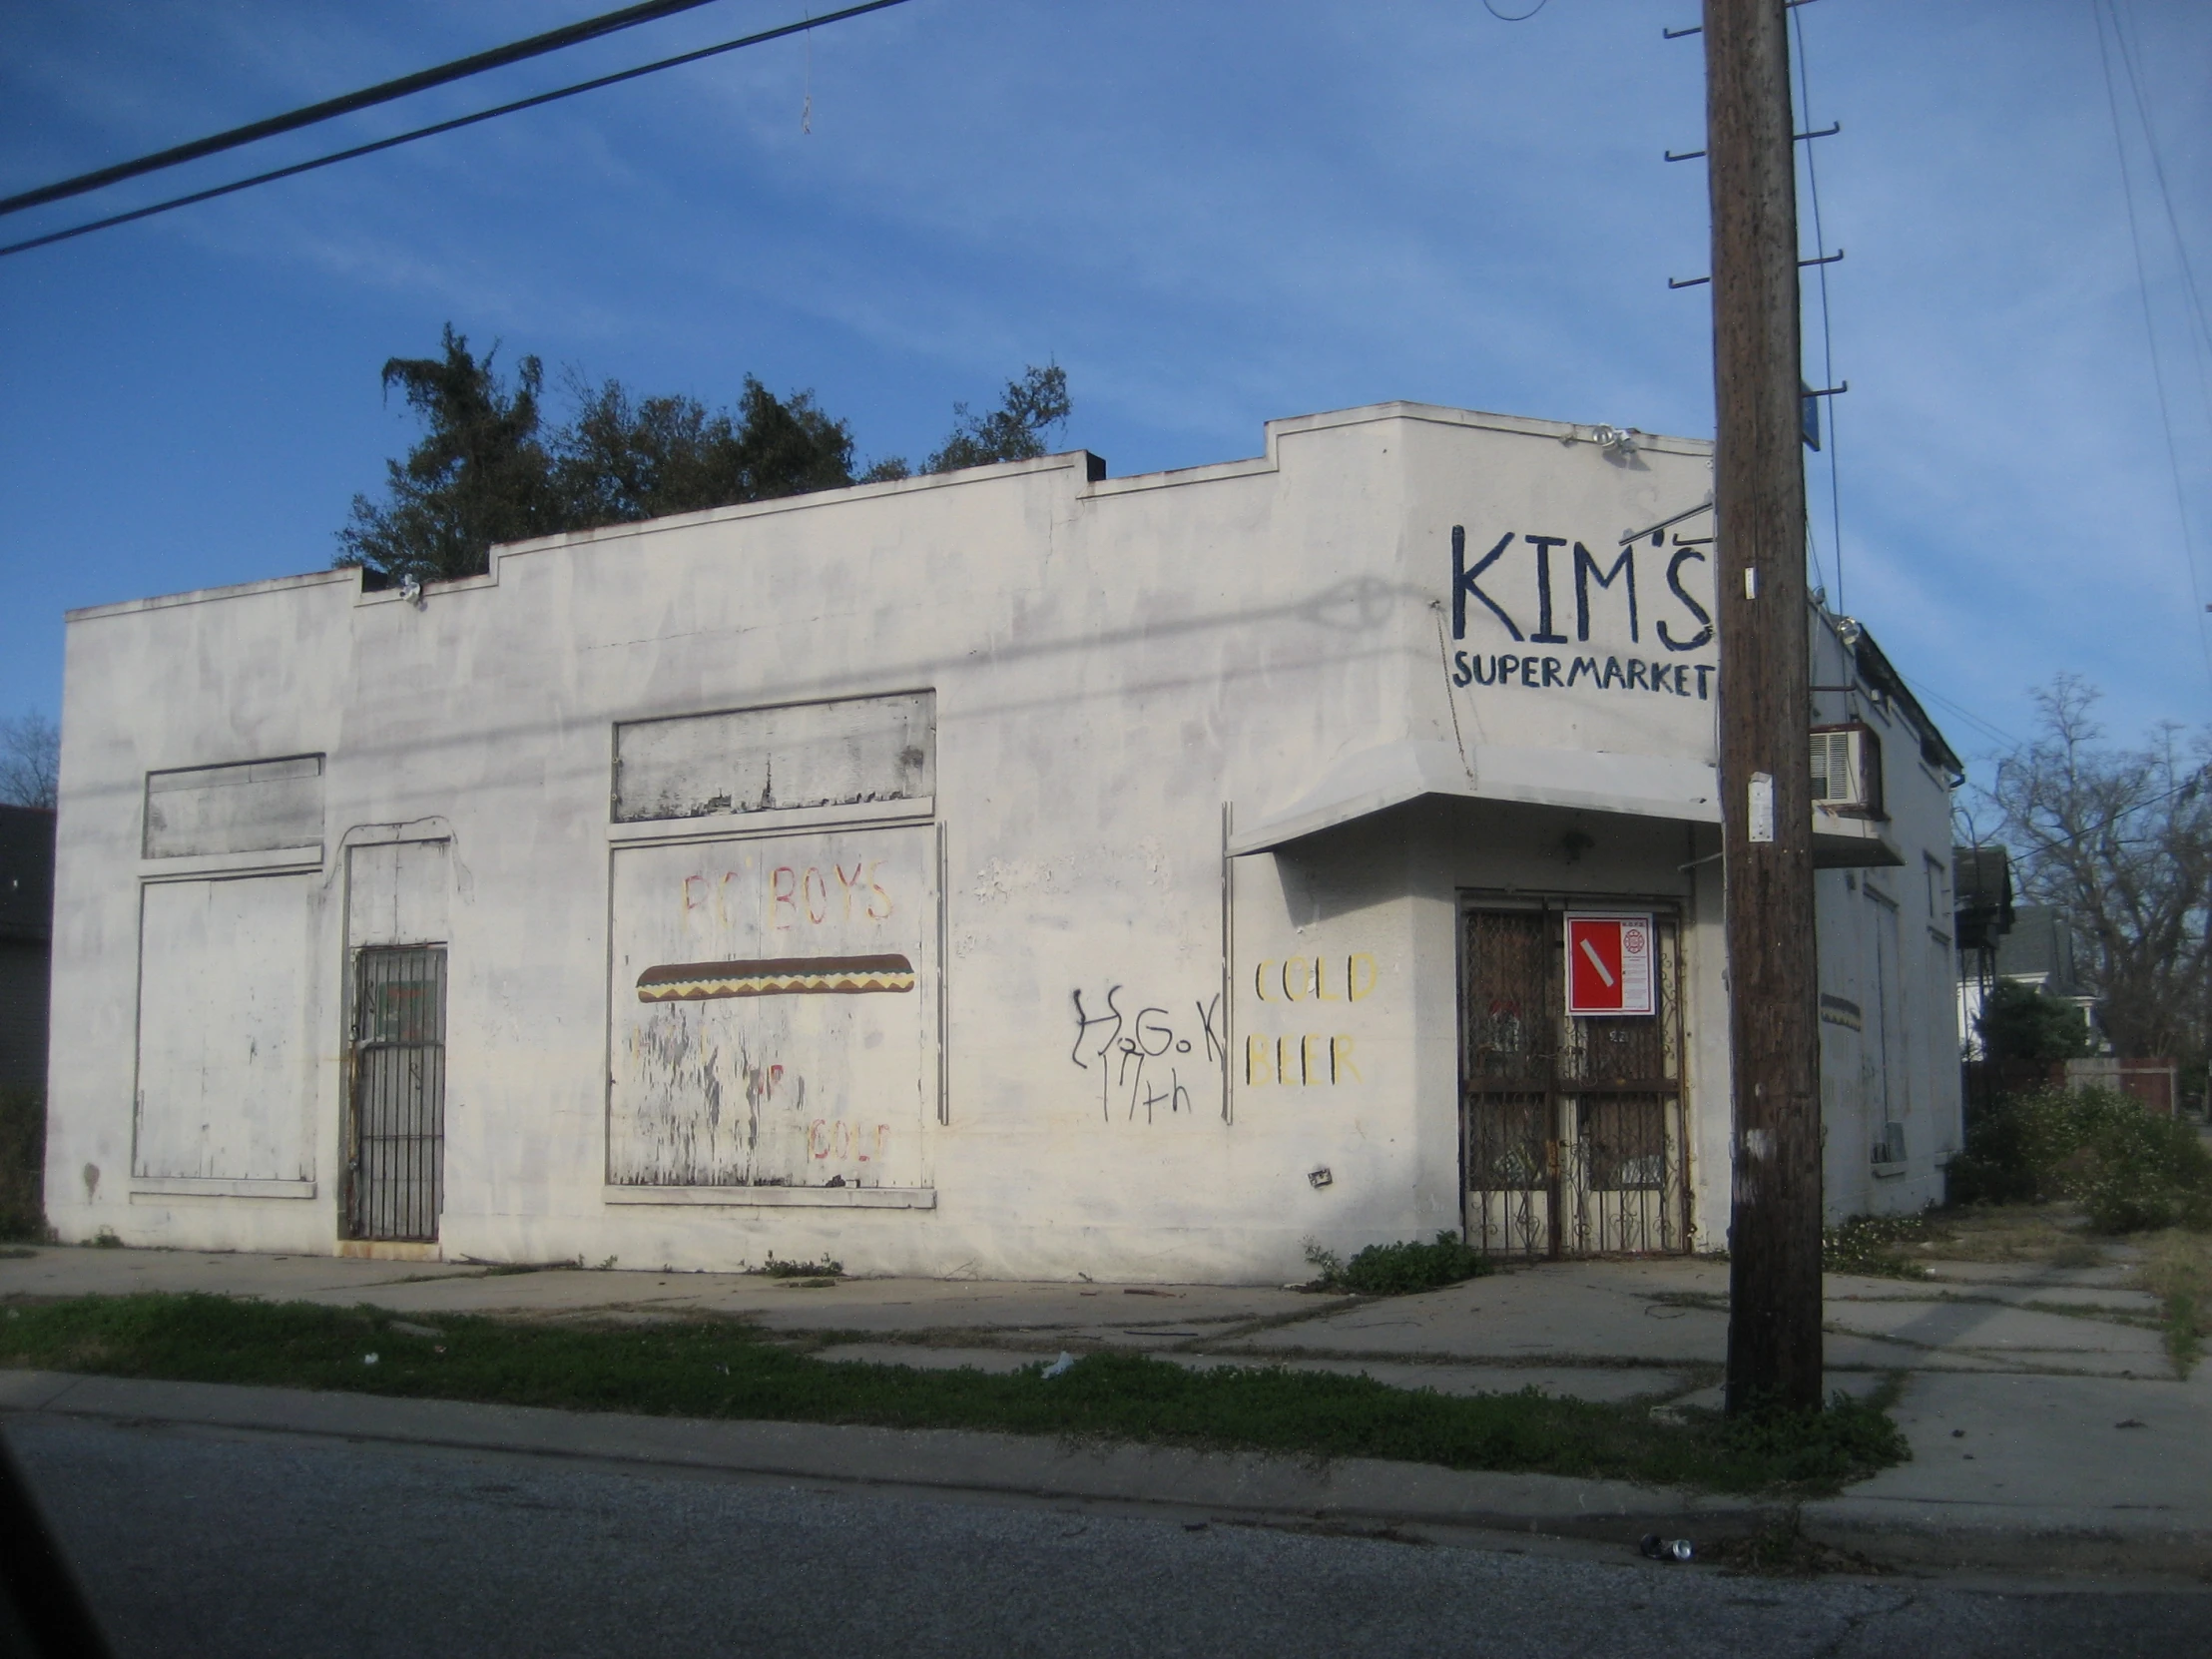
{"x": 2184, "y": 1332}
{"x": 721, "y": 1368}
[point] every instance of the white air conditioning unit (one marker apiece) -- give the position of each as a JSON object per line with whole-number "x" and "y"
{"x": 1847, "y": 770}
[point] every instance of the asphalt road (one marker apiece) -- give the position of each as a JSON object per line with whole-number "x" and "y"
{"x": 200, "y": 1542}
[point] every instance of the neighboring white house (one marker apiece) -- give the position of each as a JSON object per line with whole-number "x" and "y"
{"x": 1011, "y": 873}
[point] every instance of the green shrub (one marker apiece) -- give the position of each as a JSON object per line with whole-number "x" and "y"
{"x": 22, "y": 1164}
{"x": 775, "y": 1268}
{"x": 2023, "y": 1023}
{"x": 2130, "y": 1169}
{"x": 1399, "y": 1269}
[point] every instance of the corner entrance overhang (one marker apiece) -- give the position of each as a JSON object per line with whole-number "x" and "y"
{"x": 1370, "y": 781}
{"x": 1375, "y": 780}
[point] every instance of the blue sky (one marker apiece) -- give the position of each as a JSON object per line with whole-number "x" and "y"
{"x": 1209, "y": 214}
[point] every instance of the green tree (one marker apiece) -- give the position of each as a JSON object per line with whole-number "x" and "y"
{"x": 622, "y": 459}
{"x": 1014, "y": 431}
{"x": 2021, "y": 1022}
{"x": 479, "y": 474}
{"x": 485, "y": 470}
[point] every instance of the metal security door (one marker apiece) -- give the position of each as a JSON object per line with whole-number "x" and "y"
{"x": 395, "y": 1153}
{"x": 1572, "y": 1128}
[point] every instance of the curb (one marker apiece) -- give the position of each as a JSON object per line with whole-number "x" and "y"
{"x": 1362, "y": 1492}
{"x": 1242, "y": 1484}
{"x": 1921, "y": 1535}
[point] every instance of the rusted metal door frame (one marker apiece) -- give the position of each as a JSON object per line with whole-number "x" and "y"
{"x": 394, "y": 1139}
{"x": 1568, "y": 1152}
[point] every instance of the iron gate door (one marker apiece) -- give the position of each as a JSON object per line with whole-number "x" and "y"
{"x": 1571, "y": 1128}
{"x": 395, "y": 1144}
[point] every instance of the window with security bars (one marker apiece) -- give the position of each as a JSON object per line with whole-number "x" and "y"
{"x": 396, "y": 1151}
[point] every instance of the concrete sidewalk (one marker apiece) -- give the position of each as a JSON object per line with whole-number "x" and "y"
{"x": 2048, "y": 1429}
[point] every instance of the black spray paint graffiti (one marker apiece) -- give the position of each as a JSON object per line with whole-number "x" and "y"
{"x": 1541, "y": 673}
{"x": 1138, "y": 1059}
{"x": 1467, "y": 583}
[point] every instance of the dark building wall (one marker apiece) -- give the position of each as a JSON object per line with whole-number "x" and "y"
{"x": 23, "y": 1012}
{"x": 26, "y": 931}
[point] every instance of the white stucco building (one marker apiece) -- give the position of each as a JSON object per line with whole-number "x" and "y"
{"x": 1018, "y": 871}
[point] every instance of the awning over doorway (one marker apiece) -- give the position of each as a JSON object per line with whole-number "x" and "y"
{"x": 1372, "y": 780}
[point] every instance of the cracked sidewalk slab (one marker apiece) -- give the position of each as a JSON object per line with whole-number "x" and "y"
{"x": 2058, "y": 1473}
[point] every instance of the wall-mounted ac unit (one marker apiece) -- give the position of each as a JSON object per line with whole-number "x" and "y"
{"x": 1847, "y": 770}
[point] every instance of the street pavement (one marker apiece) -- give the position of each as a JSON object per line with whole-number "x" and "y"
{"x": 247, "y": 1544}
{"x": 2050, "y": 1430}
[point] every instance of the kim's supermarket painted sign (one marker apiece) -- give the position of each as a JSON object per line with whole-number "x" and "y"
{"x": 1553, "y": 591}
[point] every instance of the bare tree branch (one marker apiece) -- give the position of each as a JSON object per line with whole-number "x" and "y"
{"x": 2119, "y": 841}
{"x": 30, "y": 760}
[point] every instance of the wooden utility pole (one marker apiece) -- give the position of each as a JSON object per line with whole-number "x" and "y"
{"x": 1774, "y": 1324}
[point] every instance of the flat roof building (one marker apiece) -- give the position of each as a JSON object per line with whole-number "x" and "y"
{"x": 1011, "y": 873}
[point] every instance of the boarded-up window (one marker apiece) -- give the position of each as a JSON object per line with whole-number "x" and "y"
{"x": 395, "y": 893}
{"x": 257, "y": 807}
{"x": 226, "y": 1061}
{"x": 765, "y": 760}
{"x": 772, "y": 1012}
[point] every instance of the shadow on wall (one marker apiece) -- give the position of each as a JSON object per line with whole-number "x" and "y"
{"x": 22, "y": 1163}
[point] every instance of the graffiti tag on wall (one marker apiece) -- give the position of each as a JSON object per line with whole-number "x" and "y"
{"x": 1139, "y": 1056}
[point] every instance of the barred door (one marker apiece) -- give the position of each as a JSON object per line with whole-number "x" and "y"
{"x": 395, "y": 1134}
{"x": 1572, "y": 1128}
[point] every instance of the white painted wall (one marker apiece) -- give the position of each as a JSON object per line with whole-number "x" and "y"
{"x": 1889, "y": 1033}
{"x": 1130, "y": 677}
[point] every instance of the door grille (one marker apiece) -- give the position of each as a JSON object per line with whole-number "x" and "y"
{"x": 1572, "y": 1128}
{"x": 395, "y": 1154}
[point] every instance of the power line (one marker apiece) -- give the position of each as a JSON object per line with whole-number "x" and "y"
{"x": 2158, "y": 172}
{"x": 2200, "y": 339}
{"x": 1962, "y": 711}
{"x": 458, "y": 122}
{"x": 2076, "y": 837}
{"x": 2098, "y": 8}
{"x": 553, "y": 40}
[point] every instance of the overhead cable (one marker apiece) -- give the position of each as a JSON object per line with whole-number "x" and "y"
{"x": 435, "y": 128}
{"x": 553, "y": 40}
{"x": 2151, "y": 327}
{"x": 2158, "y": 172}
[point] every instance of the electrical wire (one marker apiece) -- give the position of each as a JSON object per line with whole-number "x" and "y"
{"x": 2078, "y": 836}
{"x": 2158, "y": 172}
{"x": 1988, "y": 728}
{"x": 447, "y": 126}
{"x": 2098, "y": 9}
{"x": 1828, "y": 337}
{"x": 553, "y": 40}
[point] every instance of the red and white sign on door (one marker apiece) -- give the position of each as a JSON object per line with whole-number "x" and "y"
{"x": 1609, "y": 967}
